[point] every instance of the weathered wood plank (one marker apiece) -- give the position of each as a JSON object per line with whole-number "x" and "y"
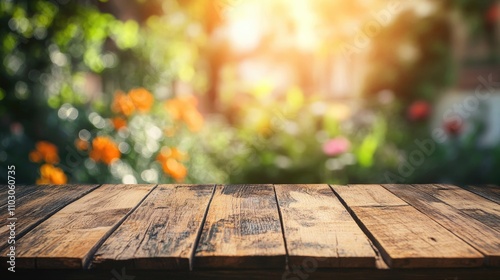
{"x": 242, "y": 230}
{"x": 36, "y": 205}
{"x": 367, "y": 195}
{"x": 406, "y": 237}
{"x": 69, "y": 237}
{"x": 480, "y": 208}
{"x": 316, "y": 225}
{"x": 480, "y": 236}
{"x": 20, "y": 192}
{"x": 161, "y": 233}
{"x": 490, "y": 192}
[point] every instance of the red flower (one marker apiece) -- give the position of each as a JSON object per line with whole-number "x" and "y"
{"x": 453, "y": 127}
{"x": 419, "y": 110}
{"x": 493, "y": 13}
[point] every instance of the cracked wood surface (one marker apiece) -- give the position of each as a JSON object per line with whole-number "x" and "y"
{"x": 242, "y": 230}
{"x": 68, "y": 238}
{"x": 162, "y": 231}
{"x": 483, "y": 238}
{"x": 406, "y": 237}
{"x": 35, "y": 204}
{"x": 317, "y": 227}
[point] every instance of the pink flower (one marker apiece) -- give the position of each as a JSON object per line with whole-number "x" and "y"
{"x": 336, "y": 146}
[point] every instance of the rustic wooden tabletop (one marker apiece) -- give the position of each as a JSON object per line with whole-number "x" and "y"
{"x": 254, "y": 231}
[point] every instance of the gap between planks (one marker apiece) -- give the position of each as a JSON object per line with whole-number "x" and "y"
{"x": 37, "y": 215}
{"x": 319, "y": 229}
{"x": 359, "y": 199}
{"x": 490, "y": 192}
{"x": 287, "y": 255}
{"x": 380, "y": 262}
{"x": 200, "y": 229}
{"x": 161, "y": 233}
{"x": 368, "y": 255}
{"x": 88, "y": 262}
{"x": 199, "y": 232}
{"x": 483, "y": 238}
{"x": 242, "y": 230}
{"x": 48, "y": 245}
{"x": 474, "y": 205}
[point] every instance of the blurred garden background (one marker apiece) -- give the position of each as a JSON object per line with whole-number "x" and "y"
{"x": 237, "y": 91}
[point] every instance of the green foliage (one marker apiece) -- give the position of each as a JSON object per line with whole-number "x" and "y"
{"x": 64, "y": 60}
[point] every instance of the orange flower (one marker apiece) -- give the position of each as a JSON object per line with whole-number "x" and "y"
{"x": 50, "y": 174}
{"x": 119, "y": 122}
{"x": 105, "y": 150}
{"x": 175, "y": 169}
{"x": 167, "y": 153}
{"x": 81, "y": 145}
{"x": 193, "y": 119}
{"x": 45, "y": 151}
{"x": 174, "y": 107}
{"x": 122, "y": 104}
{"x": 142, "y": 99}
{"x": 169, "y": 159}
{"x": 184, "y": 108}
{"x": 35, "y": 156}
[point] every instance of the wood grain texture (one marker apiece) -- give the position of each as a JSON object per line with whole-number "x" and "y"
{"x": 20, "y": 192}
{"x": 367, "y": 195}
{"x": 37, "y": 204}
{"x": 490, "y": 192}
{"x": 69, "y": 238}
{"x": 406, "y": 237}
{"x": 316, "y": 225}
{"x": 475, "y": 233}
{"x": 242, "y": 230}
{"x": 433, "y": 229}
{"x": 161, "y": 233}
{"x": 480, "y": 208}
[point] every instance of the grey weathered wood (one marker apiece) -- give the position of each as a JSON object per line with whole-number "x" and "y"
{"x": 69, "y": 238}
{"x": 490, "y": 192}
{"x": 37, "y": 204}
{"x": 480, "y": 208}
{"x": 318, "y": 229}
{"x": 242, "y": 230}
{"x": 161, "y": 233}
{"x": 480, "y": 236}
{"x": 406, "y": 237}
